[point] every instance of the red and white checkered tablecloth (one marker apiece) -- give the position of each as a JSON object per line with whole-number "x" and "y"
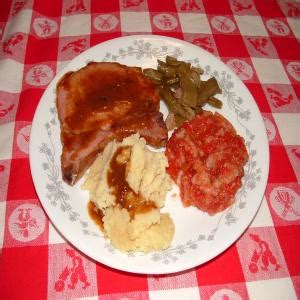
{"x": 39, "y": 37}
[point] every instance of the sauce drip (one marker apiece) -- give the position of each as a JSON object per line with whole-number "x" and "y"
{"x": 95, "y": 214}
{"x": 125, "y": 196}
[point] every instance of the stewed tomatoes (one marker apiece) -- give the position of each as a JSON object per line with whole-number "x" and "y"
{"x": 206, "y": 158}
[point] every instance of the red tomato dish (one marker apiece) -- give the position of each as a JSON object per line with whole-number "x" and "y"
{"x": 206, "y": 159}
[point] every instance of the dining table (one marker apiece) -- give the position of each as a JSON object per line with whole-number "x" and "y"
{"x": 257, "y": 41}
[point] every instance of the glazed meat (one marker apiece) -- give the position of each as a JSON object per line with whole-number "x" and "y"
{"x": 101, "y": 102}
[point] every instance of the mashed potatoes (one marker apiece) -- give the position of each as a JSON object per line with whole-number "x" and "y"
{"x": 128, "y": 183}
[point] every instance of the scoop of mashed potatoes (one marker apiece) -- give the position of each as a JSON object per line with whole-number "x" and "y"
{"x": 143, "y": 228}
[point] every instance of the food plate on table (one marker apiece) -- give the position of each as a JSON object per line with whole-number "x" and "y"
{"x": 198, "y": 237}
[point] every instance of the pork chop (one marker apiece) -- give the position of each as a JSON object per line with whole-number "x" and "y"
{"x": 101, "y": 102}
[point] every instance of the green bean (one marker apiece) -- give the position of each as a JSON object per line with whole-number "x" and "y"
{"x": 179, "y": 120}
{"x": 154, "y": 75}
{"x": 208, "y": 89}
{"x": 196, "y": 78}
{"x": 172, "y": 81}
{"x": 172, "y": 61}
{"x": 213, "y": 101}
{"x": 182, "y": 88}
{"x": 184, "y": 68}
{"x": 190, "y": 91}
{"x": 173, "y": 105}
{"x": 168, "y": 71}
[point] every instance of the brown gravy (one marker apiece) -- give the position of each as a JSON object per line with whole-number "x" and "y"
{"x": 95, "y": 214}
{"x": 125, "y": 196}
{"x": 101, "y": 92}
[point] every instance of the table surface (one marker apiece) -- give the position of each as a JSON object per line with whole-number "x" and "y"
{"x": 44, "y": 35}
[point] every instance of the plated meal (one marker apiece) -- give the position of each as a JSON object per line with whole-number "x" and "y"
{"x": 153, "y": 158}
{"x": 103, "y": 110}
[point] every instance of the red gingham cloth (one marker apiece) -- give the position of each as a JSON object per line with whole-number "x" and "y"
{"x": 262, "y": 35}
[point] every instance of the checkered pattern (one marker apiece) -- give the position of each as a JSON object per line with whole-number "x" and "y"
{"x": 42, "y": 36}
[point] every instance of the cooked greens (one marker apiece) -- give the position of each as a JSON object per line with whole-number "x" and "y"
{"x": 182, "y": 88}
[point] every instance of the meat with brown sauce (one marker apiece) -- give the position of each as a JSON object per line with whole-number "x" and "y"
{"x": 101, "y": 102}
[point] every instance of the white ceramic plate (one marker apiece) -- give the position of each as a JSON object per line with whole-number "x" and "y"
{"x": 198, "y": 236}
